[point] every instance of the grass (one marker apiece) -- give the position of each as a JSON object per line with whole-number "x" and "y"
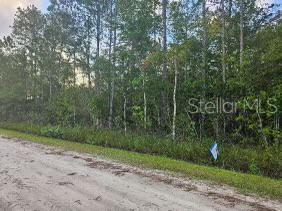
{"x": 257, "y": 160}
{"x": 245, "y": 183}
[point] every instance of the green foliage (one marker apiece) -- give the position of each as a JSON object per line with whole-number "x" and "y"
{"x": 254, "y": 169}
{"x": 186, "y": 127}
{"x": 251, "y": 160}
{"x": 53, "y": 132}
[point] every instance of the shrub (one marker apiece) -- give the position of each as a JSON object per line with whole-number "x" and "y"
{"x": 265, "y": 161}
{"x": 53, "y": 132}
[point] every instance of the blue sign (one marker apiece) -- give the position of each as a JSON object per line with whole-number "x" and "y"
{"x": 214, "y": 151}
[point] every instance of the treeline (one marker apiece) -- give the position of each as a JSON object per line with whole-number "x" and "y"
{"x": 136, "y": 65}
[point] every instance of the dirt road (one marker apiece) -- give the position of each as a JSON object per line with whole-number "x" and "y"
{"x": 37, "y": 177}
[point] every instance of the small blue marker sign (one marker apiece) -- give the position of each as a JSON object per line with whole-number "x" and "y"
{"x": 214, "y": 151}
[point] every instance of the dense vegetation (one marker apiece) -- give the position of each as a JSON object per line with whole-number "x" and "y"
{"x": 259, "y": 161}
{"x": 137, "y": 66}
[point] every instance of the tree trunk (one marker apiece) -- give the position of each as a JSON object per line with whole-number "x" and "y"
{"x": 155, "y": 27}
{"x": 228, "y": 34}
{"x": 111, "y": 73}
{"x": 74, "y": 68}
{"x": 277, "y": 121}
{"x": 98, "y": 29}
{"x": 88, "y": 52}
{"x": 241, "y": 32}
{"x": 110, "y": 31}
{"x": 261, "y": 128}
{"x": 205, "y": 42}
{"x": 164, "y": 107}
{"x": 223, "y": 41}
{"x": 124, "y": 112}
{"x": 111, "y": 104}
{"x": 112, "y": 92}
{"x": 174, "y": 101}
{"x": 98, "y": 40}
{"x": 145, "y": 102}
{"x": 230, "y": 9}
{"x": 223, "y": 63}
{"x": 50, "y": 87}
{"x": 205, "y": 34}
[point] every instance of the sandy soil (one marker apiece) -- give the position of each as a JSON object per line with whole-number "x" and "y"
{"x": 37, "y": 177}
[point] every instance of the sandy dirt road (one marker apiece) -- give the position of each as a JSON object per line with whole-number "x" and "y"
{"x": 38, "y": 177}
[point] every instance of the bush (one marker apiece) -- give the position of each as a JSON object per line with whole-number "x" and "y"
{"x": 53, "y": 132}
{"x": 264, "y": 161}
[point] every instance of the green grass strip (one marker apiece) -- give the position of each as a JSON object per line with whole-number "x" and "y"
{"x": 245, "y": 183}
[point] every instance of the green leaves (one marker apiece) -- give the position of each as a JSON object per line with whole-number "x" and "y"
{"x": 87, "y": 61}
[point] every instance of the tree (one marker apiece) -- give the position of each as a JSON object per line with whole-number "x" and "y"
{"x": 27, "y": 33}
{"x": 134, "y": 65}
{"x": 164, "y": 106}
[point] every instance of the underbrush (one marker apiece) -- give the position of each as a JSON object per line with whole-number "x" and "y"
{"x": 261, "y": 161}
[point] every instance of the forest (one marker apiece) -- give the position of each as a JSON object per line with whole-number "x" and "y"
{"x": 167, "y": 77}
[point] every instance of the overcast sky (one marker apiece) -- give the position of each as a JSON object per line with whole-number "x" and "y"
{"x": 9, "y": 7}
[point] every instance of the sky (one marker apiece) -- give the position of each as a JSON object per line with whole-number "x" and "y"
{"x": 9, "y": 7}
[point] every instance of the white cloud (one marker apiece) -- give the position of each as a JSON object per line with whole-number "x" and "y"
{"x": 8, "y": 9}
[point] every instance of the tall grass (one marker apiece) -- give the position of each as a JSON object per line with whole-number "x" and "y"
{"x": 260, "y": 161}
